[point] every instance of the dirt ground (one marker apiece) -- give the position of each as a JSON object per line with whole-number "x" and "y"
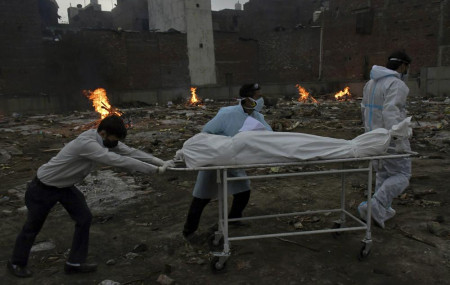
{"x": 136, "y": 232}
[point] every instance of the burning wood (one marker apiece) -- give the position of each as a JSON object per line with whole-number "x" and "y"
{"x": 304, "y": 96}
{"x": 103, "y": 107}
{"x": 101, "y": 103}
{"x": 194, "y": 100}
{"x": 343, "y": 95}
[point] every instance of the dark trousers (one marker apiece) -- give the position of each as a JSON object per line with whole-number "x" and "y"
{"x": 240, "y": 201}
{"x": 40, "y": 199}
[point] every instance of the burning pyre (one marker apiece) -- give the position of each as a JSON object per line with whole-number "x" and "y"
{"x": 102, "y": 106}
{"x": 343, "y": 95}
{"x": 101, "y": 103}
{"x": 194, "y": 100}
{"x": 304, "y": 96}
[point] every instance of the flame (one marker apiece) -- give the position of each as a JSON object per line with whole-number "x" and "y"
{"x": 101, "y": 103}
{"x": 343, "y": 94}
{"x": 304, "y": 95}
{"x": 194, "y": 100}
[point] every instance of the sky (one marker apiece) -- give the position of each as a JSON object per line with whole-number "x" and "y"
{"x": 107, "y": 5}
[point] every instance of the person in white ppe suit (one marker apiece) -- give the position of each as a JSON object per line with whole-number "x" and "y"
{"x": 227, "y": 122}
{"x": 383, "y": 105}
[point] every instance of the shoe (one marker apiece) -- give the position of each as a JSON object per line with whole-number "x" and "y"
{"x": 390, "y": 213}
{"x": 377, "y": 213}
{"x": 19, "y": 271}
{"x": 82, "y": 268}
{"x": 362, "y": 211}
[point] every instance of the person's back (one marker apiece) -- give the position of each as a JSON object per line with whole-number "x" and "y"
{"x": 384, "y": 99}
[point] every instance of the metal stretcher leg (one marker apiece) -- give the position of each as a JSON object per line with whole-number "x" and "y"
{"x": 367, "y": 241}
{"x": 218, "y": 262}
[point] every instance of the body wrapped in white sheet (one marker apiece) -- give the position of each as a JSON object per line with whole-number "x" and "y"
{"x": 262, "y": 147}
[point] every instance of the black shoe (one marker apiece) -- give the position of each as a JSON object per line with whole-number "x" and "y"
{"x": 82, "y": 268}
{"x": 19, "y": 271}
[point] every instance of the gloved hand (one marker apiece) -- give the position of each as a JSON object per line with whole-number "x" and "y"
{"x": 167, "y": 163}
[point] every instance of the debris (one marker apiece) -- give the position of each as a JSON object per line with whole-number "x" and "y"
{"x": 140, "y": 248}
{"x": 420, "y": 193}
{"x": 165, "y": 280}
{"x": 131, "y": 255}
{"x": 437, "y": 229}
{"x": 4, "y": 199}
{"x": 108, "y": 282}
{"x": 111, "y": 262}
{"x": 42, "y": 246}
{"x": 298, "y": 225}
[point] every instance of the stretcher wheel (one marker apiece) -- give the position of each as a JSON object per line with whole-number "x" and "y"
{"x": 364, "y": 252}
{"x": 213, "y": 244}
{"x": 217, "y": 266}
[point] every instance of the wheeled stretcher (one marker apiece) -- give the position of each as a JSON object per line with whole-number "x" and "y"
{"x": 221, "y": 238}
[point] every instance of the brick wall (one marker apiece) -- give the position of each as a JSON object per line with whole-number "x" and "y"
{"x": 20, "y": 47}
{"x": 114, "y": 60}
{"x": 262, "y": 16}
{"x": 289, "y": 56}
{"x": 236, "y": 59}
{"x": 412, "y": 25}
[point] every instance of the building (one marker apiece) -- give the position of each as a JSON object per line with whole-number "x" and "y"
{"x": 192, "y": 17}
{"x": 90, "y": 16}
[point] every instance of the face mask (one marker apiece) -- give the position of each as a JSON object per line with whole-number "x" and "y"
{"x": 259, "y": 104}
{"x": 404, "y": 75}
{"x": 110, "y": 144}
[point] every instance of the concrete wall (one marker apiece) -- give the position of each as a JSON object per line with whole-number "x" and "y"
{"x": 200, "y": 42}
{"x": 435, "y": 81}
{"x": 165, "y": 15}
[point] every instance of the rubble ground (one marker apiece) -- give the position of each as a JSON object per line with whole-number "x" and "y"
{"x": 136, "y": 231}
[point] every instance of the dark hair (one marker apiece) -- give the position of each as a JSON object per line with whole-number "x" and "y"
{"x": 247, "y": 90}
{"x": 396, "y": 59}
{"x": 113, "y": 125}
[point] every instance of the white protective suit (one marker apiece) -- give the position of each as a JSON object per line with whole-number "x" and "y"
{"x": 227, "y": 122}
{"x": 383, "y": 105}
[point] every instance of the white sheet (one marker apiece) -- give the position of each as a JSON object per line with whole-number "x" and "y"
{"x": 256, "y": 147}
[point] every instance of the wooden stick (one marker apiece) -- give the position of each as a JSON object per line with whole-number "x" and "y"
{"x": 416, "y": 238}
{"x": 299, "y": 244}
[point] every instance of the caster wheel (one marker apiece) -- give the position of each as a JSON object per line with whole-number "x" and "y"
{"x": 217, "y": 266}
{"x": 364, "y": 252}
{"x": 214, "y": 244}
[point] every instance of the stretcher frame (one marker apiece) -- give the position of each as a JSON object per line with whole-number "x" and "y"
{"x": 221, "y": 236}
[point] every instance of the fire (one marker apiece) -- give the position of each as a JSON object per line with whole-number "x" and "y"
{"x": 101, "y": 103}
{"x": 194, "y": 100}
{"x": 304, "y": 95}
{"x": 343, "y": 94}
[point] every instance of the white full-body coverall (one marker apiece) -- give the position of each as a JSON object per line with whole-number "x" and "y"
{"x": 383, "y": 105}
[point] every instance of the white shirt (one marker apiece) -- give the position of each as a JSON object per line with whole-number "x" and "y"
{"x": 77, "y": 158}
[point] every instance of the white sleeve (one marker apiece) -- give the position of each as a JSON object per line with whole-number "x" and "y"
{"x": 93, "y": 151}
{"x": 123, "y": 149}
{"x": 394, "y": 102}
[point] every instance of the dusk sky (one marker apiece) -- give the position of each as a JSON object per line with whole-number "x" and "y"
{"x": 107, "y": 5}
